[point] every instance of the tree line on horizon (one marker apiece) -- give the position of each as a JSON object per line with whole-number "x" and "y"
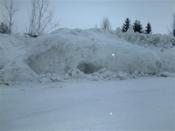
{"x": 137, "y": 26}
{"x": 41, "y": 18}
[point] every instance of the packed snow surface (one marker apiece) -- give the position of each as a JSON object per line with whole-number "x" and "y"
{"x": 46, "y": 83}
{"x": 128, "y": 105}
{"x": 85, "y": 54}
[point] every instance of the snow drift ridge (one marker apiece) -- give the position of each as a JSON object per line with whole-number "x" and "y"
{"x": 81, "y": 53}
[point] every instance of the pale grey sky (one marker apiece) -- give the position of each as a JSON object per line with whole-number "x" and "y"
{"x": 87, "y": 13}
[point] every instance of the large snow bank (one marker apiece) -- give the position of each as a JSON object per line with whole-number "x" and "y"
{"x": 147, "y": 40}
{"x": 91, "y": 54}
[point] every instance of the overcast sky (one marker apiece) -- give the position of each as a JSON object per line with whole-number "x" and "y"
{"x": 88, "y": 13}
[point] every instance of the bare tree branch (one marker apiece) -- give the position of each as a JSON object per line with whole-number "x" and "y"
{"x": 105, "y": 25}
{"x": 10, "y": 11}
{"x": 41, "y": 17}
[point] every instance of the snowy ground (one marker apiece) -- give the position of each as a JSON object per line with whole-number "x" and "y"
{"x": 58, "y": 81}
{"x": 140, "y": 104}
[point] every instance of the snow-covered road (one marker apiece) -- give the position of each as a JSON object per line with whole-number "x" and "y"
{"x": 140, "y": 104}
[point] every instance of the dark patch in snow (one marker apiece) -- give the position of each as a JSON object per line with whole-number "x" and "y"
{"x": 87, "y": 68}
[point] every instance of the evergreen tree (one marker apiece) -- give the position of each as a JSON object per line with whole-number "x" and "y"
{"x": 126, "y": 25}
{"x": 174, "y": 25}
{"x": 137, "y": 27}
{"x": 148, "y": 28}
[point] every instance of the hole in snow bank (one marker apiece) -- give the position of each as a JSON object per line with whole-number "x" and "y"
{"x": 87, "y": 68}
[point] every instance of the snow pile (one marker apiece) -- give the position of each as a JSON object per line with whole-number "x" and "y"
{"x": 81, "y": 54}
{"x": 154, "y": 40}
